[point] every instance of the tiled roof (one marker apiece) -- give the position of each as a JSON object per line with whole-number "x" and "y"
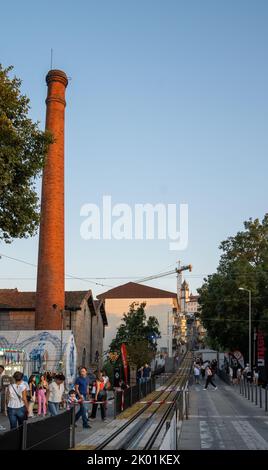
{"x": 12, "y": 298}
{"x": 133, "y": 290}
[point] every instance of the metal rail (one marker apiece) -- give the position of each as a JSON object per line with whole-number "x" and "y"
{"x": 173, "y": 382}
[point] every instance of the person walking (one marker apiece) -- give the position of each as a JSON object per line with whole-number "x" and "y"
{"x": 42, "y": 389}
{"x": 55, "y": 393}
{"x": 31, "y": 395}
{"x": 203, "y": 371}
{"x": 82, "y": 391}
{"x": 101, "y": 396}
{"x": 196, "y": 373}
{"x": 209, "y": 373}
{"x": 17, "y": 404}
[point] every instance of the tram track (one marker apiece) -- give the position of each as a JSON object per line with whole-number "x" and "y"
{"x": 150, "y": 419}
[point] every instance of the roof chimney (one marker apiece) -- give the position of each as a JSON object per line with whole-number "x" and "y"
{"x": 50, "y": 276}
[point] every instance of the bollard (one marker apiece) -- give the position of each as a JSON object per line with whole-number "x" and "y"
{"x": 240, "y": 387}
{"x": 248, "y": 391}
{"x": 260, "y": 396}
{"x": 252, "y": 392}
{"x": 266, "y": 404}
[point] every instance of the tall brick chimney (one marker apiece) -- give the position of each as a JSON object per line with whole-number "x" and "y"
{"x": 50, "y": 276}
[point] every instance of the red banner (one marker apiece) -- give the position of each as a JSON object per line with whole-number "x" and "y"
{"x": 124, "y": 359}
{"x": 261, "y": 349}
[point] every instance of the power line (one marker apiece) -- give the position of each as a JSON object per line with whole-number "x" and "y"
{"x": 68, "y": 275}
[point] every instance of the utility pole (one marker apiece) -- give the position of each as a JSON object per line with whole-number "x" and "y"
{"x": 249, "y": 326}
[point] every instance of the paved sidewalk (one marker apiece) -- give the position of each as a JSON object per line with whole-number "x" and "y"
{"x": 223, "y": 419}
{"x": 80, "y": 433}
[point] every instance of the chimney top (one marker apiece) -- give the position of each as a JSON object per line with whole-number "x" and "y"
{"x": 57, "y": 76}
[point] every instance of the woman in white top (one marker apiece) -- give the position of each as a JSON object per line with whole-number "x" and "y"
{"x": 55, "y": 393}
{"x": 17, "y": 404}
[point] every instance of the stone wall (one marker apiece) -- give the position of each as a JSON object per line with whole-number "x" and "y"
{"x": 81, "y": 327}
{"x": 97, "y": 339}
{"x": 23, "y": 320}
{"x": 79, "y": 323}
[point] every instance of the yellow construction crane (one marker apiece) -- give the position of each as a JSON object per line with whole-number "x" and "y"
{"x": 179, "y": 270}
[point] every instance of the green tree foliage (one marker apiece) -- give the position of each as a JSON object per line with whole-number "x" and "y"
{"x": 22, "y": 152}
{"x": 138, "y": 334}
{"x": 139, "y": 353}
{"x": 224, "y": 308}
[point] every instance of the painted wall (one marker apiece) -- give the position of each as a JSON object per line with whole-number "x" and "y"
{"x": 45, "y": 345}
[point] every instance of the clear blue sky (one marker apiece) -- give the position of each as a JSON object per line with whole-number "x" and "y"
{"x": 168, "y": 102}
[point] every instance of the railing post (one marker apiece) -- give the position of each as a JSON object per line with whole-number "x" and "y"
{"x": 24, "y": 435}
{"x": 260, "y": 396}
{"x": 115, "y": 403}
{"x": 186, "y": 405}
{"x": 131, "y": 397}
{"x": 73, "y": 428}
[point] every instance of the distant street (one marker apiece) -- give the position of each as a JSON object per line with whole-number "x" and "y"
{"x": 221, "y": 419}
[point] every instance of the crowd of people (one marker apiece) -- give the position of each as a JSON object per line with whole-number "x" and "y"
{"x": 237, "y": 373}
{"x": 47, "y": 392}
{"x": 144, "y": 373}
{"x": 205, "y": 371}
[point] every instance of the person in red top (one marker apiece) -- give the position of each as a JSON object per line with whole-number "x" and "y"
{"x": 101, "y": 396}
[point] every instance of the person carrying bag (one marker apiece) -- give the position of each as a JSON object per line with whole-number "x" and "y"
{"x": 17, "y": 404}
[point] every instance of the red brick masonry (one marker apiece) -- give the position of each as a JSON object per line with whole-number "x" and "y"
{"x": 50, "y": 277}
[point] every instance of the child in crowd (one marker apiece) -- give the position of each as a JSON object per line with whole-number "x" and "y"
{"x": 72, "y": 399}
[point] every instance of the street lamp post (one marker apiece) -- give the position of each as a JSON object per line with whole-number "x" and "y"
{"x": 55, "y": 306}
{"x": 249, "y": 324}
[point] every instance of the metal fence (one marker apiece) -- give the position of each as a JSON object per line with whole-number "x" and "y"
{"x": 123, "y": 399}
{"x": 51, "y": 433}
{"x": 257, "y": 394}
